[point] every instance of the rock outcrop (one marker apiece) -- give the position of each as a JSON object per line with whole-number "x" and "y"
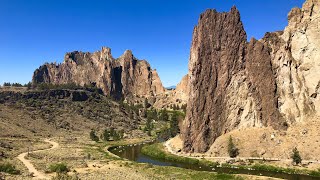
{"x": 238, "y": 84}
{"x": 122, "y": 77}
{"x": 296, "y": 62}
{"x": 73, "y": 95}
{"x": 175, "y": 97}
{"x": 181, "y": 91}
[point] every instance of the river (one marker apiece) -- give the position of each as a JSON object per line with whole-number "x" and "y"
{"x": 133, "y": 153}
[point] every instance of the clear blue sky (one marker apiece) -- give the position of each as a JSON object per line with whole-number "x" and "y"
{"x": 36, "y": 31}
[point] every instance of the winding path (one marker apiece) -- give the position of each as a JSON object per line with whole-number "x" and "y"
{"x": 30, "y": 166}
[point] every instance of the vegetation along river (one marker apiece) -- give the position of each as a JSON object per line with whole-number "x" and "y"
{"x": 133, "y": 153}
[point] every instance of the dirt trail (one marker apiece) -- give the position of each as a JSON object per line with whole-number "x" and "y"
{"x": 29, "y": 165}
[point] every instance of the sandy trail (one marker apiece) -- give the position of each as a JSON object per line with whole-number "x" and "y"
{"x": 30, "y": 166}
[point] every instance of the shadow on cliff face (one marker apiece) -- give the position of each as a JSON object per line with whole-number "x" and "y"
{"x": 117, "y": 86}
{"x": 40, "y": 74}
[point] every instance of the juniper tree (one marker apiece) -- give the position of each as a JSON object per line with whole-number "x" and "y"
{"x": 296, "y": 158}
{"x": 233, "y": 151}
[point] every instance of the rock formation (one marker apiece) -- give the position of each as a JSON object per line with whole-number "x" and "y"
{"x": 181, "y": 91}
{"x": 122, "y": 77}
{"x": 237, "y": 84}
{"x": 176, "y": 97}
{"x": 296, "y": 62}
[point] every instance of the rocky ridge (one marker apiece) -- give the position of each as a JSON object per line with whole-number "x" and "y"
{"x": 120, "y": 78}
{"x": 236, "y": 84}
{"x": 66, "y": 109}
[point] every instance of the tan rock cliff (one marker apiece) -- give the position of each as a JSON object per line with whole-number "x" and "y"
{"x": 237, "y": 84}
{"x": 122, "y": 77}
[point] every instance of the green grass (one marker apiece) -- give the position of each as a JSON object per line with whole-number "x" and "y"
{"x": 271, "y": 168}
{"x": 166, "y": 172}
{"x": 157, "y": 151}
{"x": 8, "y": 168}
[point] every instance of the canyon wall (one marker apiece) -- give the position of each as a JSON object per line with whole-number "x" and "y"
{"x": 238, "y": 84}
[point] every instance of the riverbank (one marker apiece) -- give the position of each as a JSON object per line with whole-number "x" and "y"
{"x": 87, "y": 159}
{"x": 164, "y": 171}
{"x": 154, "y": 171}
{"x": 172, "y": 148}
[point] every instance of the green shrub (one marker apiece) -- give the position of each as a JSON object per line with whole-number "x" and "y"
{"x": 111, "y": 133}
{"x": 93, "y": 136}
{"x": 233, "y": 151}
{"x": 8, "y": 168}
{"x": 152, "y": 114}
{"x": 58, "y": 168}
{"x": 164, "y": 115}
{"x": 296, "y": 158}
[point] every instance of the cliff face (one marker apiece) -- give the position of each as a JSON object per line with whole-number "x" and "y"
{"x": 183, "y": 84}
{"x": 125, "y": 76}
{"x": 181, "y": 91}
{"x": 296, "y": 62}
{"x": 237, "y": 84}
{"x": 177, "y": 97}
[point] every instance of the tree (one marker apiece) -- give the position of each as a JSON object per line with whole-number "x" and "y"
{"x": 6, "y": 84}
{"x": 155, "y": 114}
{"x": 112, "y": 134}
{"x": 174, "y": 124}
{"x": 16, "y": 85}
{"x": 121, "y": 134}
{"x": 296, "y": 158}
{"x": 93, "y": 136}
{"x": 164, "y": 115}
{"x": 149, "y": 126}
{"x": 28, "y": 85}
{"x": 106, "y": 135}
{"x": 146, "y": 103}
{"x": 152, "y": 114}
{"x": 233, "y": 151}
